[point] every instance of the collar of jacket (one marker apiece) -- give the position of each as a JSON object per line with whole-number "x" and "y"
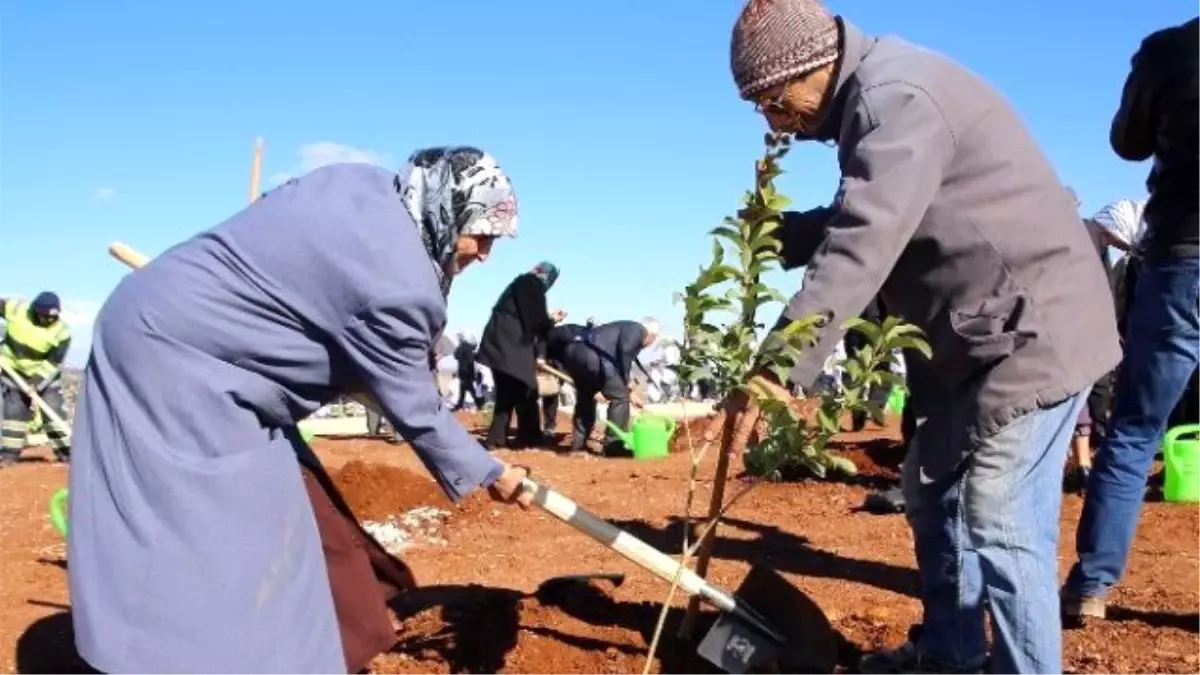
{"x": 855, "y": 45}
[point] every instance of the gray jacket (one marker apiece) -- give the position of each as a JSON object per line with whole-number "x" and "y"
{"x": 948, "y": 209}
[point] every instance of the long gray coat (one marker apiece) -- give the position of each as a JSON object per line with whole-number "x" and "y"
{"x": 948, "y": 209}
{"x": 193, "y": 546}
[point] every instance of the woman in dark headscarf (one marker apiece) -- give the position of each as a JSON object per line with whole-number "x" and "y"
{"x": 205, "y": 536}
{"x": 509, "y": 347}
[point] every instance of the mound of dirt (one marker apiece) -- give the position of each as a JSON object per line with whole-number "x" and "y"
{"x": 376, "y": 491}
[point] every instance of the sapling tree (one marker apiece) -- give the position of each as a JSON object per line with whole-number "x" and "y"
{"x": 744, "y": 248}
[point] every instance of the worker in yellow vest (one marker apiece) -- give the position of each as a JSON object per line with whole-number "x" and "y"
{"x": 35, "y": 344}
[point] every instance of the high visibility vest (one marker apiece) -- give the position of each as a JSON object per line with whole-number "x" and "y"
{"x": 27, "y": 345}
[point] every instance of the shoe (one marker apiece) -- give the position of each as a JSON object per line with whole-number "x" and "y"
{"x": 8, "y": 458}
{"x": 886, "y": 502}
{"x": 1078, "y": 608}
{"x": 63, "y": 456}
{"x": 906, "y": 658}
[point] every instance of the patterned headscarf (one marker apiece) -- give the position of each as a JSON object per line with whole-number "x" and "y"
{"x": 547, "y": 273}
{"x": 455, "y": 191}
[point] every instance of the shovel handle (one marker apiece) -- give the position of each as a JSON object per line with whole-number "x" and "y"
{"x": 639, "y": 552}
{"x": 126, "y": 254}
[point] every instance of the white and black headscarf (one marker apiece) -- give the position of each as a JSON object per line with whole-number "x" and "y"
{"x": 455, "y": 191}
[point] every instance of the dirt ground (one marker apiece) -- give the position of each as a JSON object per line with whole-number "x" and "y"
{"x": 489, "y": 600}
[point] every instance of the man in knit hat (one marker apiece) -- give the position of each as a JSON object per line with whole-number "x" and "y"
{"x": 950, "y": 212}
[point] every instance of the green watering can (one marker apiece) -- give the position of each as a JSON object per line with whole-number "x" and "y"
{"x": 649, "y": 436}
{"x": 58, "y": 511}
{"x": 1181, "y": 462}
{"x": 896, "y": 400}
{"x": 306, "y": 434}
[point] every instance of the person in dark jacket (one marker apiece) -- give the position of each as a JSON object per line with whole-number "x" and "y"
{"x": 600, "y": 361}
{"x": 1008, "y": 304}
{"x": 1157, "y": 119}
{"x": 509, "y": 348}
{"x": 464, "y": 355}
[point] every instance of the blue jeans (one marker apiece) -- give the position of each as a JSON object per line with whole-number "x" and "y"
{"x": 989, "y": 530}
{"x": 1161, "y": 351}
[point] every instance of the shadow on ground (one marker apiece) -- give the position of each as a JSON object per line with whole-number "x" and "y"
{"x": 782, "y": 551}
{"x": 482, "y": 625}
{"x": 48, "y": 646}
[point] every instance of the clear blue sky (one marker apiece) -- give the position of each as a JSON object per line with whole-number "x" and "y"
{"x": 617, "y": 121}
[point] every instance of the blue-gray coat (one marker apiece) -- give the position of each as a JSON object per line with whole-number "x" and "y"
{"x": 193, "y": 545}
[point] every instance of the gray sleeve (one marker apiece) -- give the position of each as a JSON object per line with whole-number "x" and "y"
{"x": 389, "y": 343}
{"x": 893, "y": 156}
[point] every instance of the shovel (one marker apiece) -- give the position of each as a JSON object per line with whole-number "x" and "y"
{"x": 740, "y": 640}
{"x": 30, "y": 392}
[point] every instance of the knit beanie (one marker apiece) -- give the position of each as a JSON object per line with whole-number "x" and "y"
{"x": 777, "y": 40}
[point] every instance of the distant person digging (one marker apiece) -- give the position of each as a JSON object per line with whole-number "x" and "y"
{"x": 600, "y": 362}
{"x": 206, "y": 536}
{"x": 35, "y": 345}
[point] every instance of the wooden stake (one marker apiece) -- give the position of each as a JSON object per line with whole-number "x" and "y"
{"x": 256, "y": 169}
{"x": 704, "y": 554}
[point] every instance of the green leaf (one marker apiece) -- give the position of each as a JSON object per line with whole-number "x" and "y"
{"x": 914, "y": 343}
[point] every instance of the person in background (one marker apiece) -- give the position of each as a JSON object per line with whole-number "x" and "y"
{"x": 36, "y": 341}
{"x": 1157, "y": 119}
{"x": 509, "y": 347}
{"x": 206, "y": 536}
{"x": 1007, "y": 305}
{"x": 617, "y": 344}
{"x": 464, "y": 355}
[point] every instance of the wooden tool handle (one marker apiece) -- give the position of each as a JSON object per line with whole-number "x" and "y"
{"x": 644, "y": 555}
{"x": 127, "y": 255}
{"x": 551, "y": 370}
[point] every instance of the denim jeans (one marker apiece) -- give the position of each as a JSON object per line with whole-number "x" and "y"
{"x": 1161, "y": 351}
{"x": 989, "y": 531}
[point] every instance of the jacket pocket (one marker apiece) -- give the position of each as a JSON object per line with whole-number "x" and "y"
{"x": 983, "y": 338}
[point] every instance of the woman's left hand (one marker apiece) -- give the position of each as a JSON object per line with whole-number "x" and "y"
{"x": 558, "y": 315}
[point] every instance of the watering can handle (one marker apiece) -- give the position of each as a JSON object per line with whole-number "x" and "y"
{"x": 1178, "y": 431}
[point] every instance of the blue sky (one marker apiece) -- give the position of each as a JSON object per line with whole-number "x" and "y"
{"x": 617, "y": 121}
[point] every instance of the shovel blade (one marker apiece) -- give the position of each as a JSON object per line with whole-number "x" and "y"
{"x": 811, "y": 643}
{"x": 736, "y": 647}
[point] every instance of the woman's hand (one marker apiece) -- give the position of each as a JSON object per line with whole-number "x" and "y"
{"x": 507, "y": 488}
{"x": 740, "y": 414}
{"x": 558, "y": 315}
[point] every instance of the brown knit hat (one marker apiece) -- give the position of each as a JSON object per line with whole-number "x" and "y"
{"x": 777, "y": 40}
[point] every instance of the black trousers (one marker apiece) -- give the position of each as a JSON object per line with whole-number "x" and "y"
{"x": 514, "y": 395}
{"x": 466, "y": 385}
{"x": 617, "y": 393}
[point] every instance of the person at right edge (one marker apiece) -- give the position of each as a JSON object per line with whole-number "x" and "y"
{"x": 947, "y": 209}
{"x": 1157, "y": 118}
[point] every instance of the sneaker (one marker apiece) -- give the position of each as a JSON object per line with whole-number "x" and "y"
{"x": 1078, "y": 608}
{"x": 906, "y": 658}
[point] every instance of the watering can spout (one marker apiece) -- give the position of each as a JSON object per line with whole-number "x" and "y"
{"x": 625, "y": 436}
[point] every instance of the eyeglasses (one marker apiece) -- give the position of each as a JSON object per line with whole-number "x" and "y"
{"x": 774, "y": 106}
